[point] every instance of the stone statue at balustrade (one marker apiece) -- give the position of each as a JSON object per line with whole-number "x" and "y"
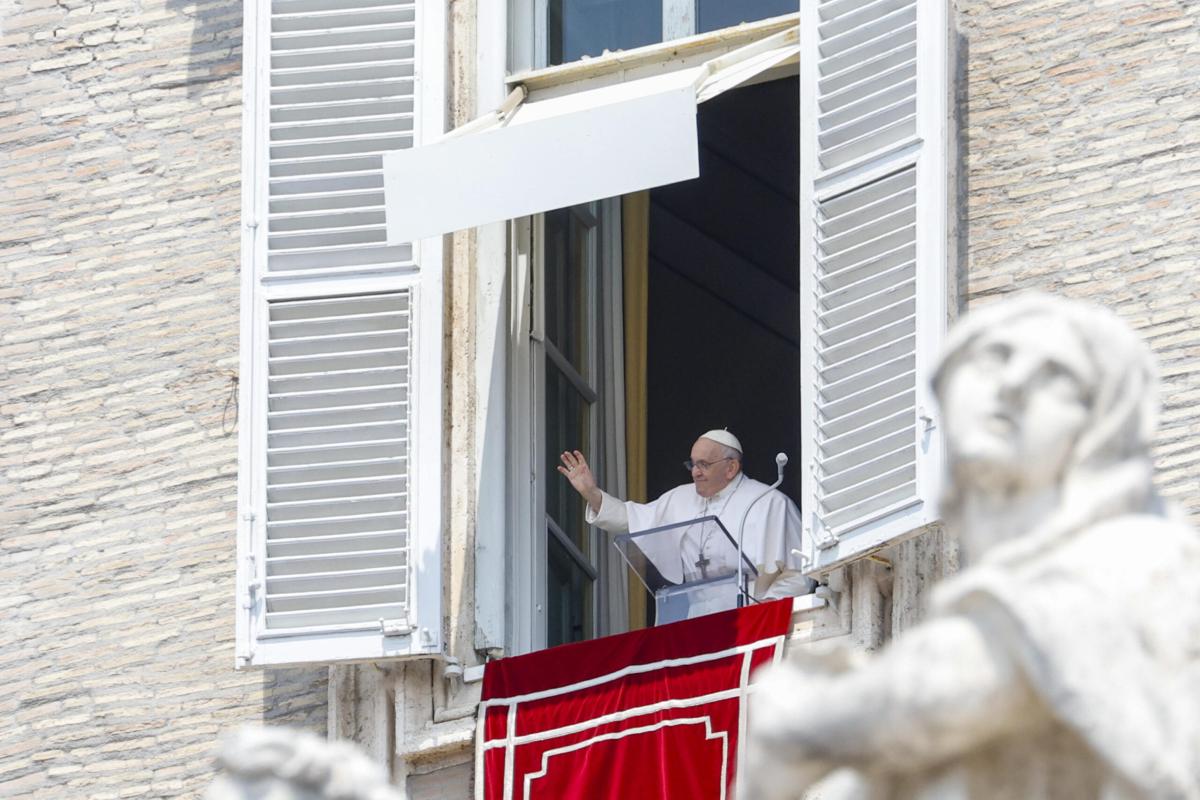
{"x": 286, "y": 764}
{"x": 1064, "y": 660}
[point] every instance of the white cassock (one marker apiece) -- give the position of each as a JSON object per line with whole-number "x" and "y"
{"x": 772, "y": 537}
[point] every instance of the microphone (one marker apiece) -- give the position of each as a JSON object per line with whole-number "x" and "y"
{"x": 781, "y": 461}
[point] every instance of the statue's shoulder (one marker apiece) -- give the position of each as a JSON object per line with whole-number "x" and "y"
{"x": 1113, "y": 555}
{"x": 1146, "y": 533}
{"x": 1132, "y": 554}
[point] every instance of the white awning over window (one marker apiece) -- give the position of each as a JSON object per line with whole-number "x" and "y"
{"x": 565, "y": 150}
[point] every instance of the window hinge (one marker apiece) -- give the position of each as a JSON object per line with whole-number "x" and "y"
{"x": 394, "y": 627}
{"x": 805, "y": 561}
{"x": 253, "y": 584}
{"x": 452, "y": 669}
{"x": 252, "y": 590}
{"x": 821, "y": 537}
{"x": 826, "y": 593}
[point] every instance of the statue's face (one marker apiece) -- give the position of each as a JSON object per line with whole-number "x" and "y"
{"x": 1015, "y": 404}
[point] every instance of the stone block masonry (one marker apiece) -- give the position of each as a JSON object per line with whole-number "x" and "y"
{"x": 119, "y": 204}
{"x": 1081, "y": 176}
{"x": 119, "y": 177}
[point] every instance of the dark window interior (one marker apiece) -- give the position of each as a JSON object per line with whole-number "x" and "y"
{"x": 724, "y": 308}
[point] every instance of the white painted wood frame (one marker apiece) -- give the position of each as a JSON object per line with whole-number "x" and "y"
{"x": 317, "y": 111}
{"x": 493, "y": 291}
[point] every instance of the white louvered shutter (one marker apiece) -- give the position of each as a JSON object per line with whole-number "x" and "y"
{"x": 875, "y": 229}
{"x": 339, "y": 485}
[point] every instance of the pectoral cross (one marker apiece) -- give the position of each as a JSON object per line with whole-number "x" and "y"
{"x": 702, "y": 564}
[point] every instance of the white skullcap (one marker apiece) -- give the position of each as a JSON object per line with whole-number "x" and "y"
{"x": 724, "y": 437}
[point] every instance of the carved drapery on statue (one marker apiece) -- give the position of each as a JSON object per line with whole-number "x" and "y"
{"x": 1063, "y": 663}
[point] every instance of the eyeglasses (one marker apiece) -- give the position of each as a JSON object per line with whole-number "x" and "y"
{"x": 704, "y": 466}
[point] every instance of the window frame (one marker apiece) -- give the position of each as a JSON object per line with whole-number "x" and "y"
{"x": 525, "y": 563}
{"x": 528, "y": 561}
{"x": 503, "y": 604}
{"x": 935, "y": 215}
{"x": 547, "y": 356}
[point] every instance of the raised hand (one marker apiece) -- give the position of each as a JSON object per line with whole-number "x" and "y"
{"x": 575, "y": 469}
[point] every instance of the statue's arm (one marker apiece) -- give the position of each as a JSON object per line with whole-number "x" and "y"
{"x": 942, "y": 689}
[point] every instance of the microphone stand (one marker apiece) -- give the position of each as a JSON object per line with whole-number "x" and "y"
{"x": 781, "y": 461}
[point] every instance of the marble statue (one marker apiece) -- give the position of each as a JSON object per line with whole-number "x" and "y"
{"x": 286, "y": 764}
{"x": 1064, "y": 660}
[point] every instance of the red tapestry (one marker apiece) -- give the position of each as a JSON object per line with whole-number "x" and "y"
{"x": 656, "y": 714}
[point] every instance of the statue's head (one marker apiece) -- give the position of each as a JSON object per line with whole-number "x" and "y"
{"x": 1040, "y": 393}
{"x": 284, "y": 764}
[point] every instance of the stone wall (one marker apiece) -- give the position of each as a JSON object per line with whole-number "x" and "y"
{"x": 119, "y": 140}
{"x": 1081, "y": 176}
{"x": 119, "y": 172}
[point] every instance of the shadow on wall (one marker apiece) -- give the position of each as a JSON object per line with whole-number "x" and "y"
{"x": 961, "y": 158}
{"x": 215, "y": 53}
{"x": 296, "y": 697}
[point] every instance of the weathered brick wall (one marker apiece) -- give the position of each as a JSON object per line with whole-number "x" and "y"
{"x": 119, "y": 189}
{"x": 1082, "y": 177}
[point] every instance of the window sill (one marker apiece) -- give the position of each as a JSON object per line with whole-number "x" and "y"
{"x": 440, "y": 739}
{"x": 808, "y": 602}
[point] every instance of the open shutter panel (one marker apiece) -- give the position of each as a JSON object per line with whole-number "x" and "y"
{"x": 337, "y": 461}
{"x": 337, "y": 559}
{"x": 874, "y": 176}
{"x": 561, "y": 148}
{"x": 341, "y": 93}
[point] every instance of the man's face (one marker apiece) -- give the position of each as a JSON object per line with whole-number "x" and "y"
{"x": 720, "y": 471}
{"x": 1017, "y": 403}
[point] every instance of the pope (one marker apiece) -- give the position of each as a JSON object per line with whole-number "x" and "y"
{"x": 719, "y": 488}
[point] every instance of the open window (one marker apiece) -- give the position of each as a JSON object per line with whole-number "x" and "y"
{"x": 827, "y": 347}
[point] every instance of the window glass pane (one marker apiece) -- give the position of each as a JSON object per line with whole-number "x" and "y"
{"x": 578, "y": 28}
{"x": 566, "y": 285}
{"x": 568, "y": 598}
{"x": 567, "y": 428}
{"x": 713, "y": 15}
